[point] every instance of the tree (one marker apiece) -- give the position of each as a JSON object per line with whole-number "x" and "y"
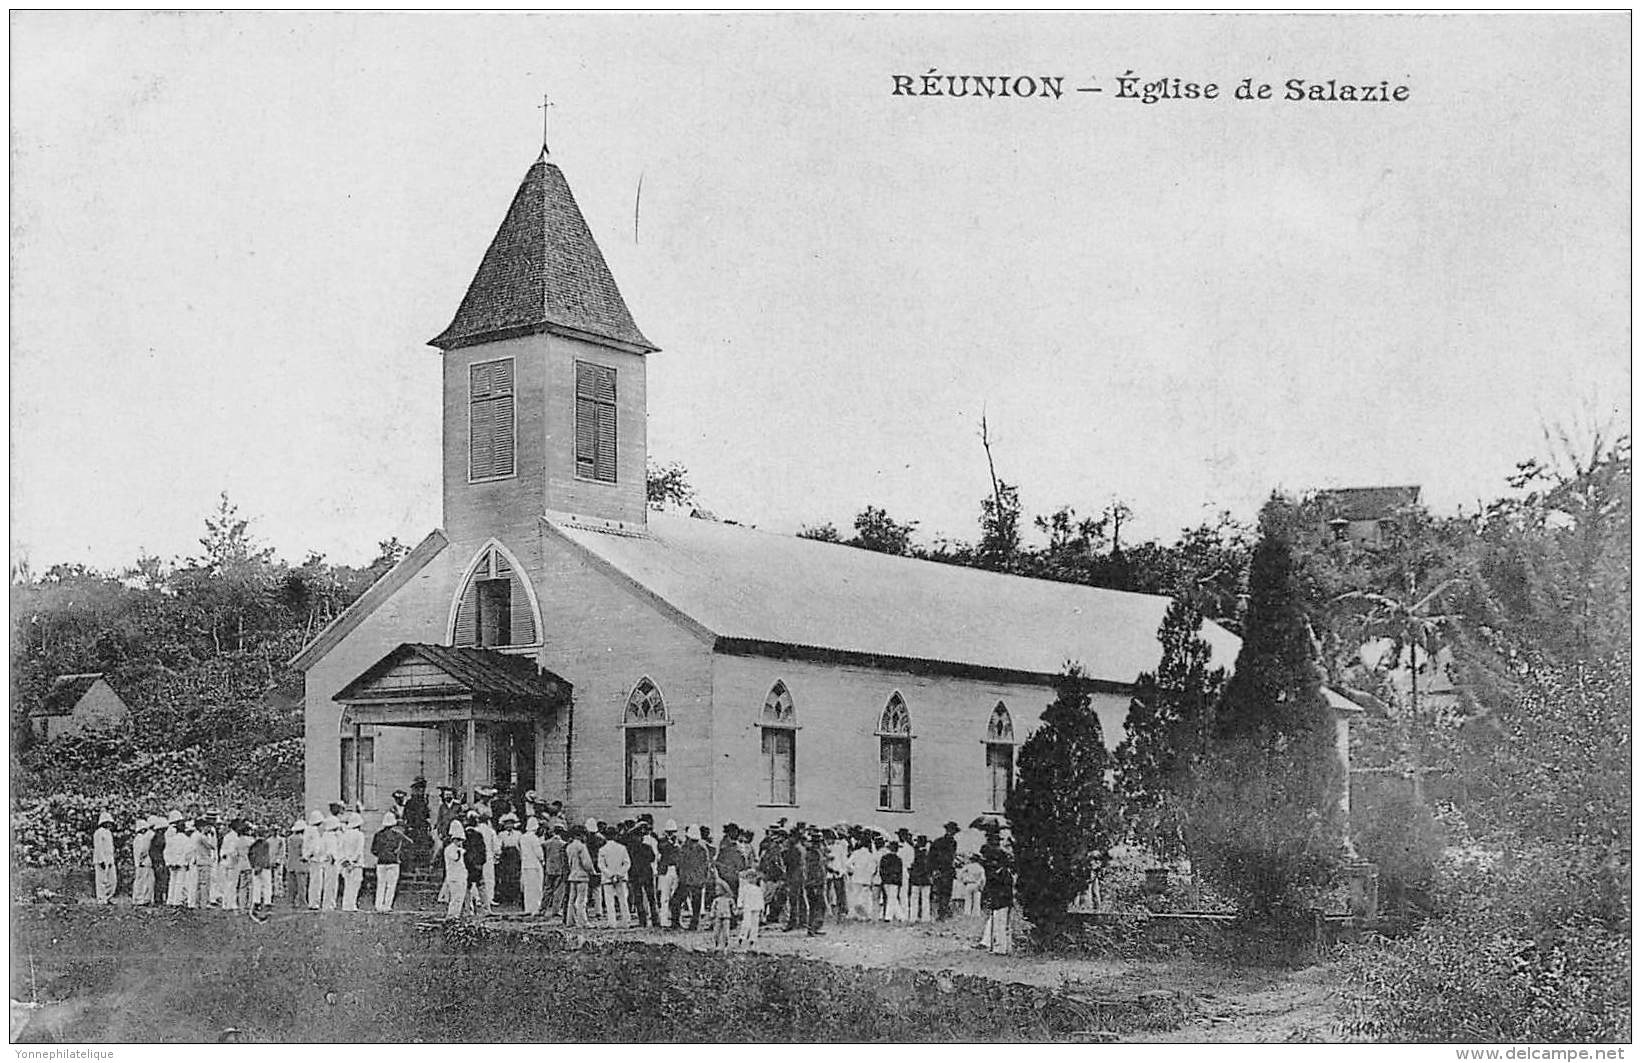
{"x": 1167, "y": 729}
{"x": 1266, "y": 818}
{"x": 999, "y": 545}
{"x": 825, "y": 533}
{"x": 877, "y": 531}
{"x": 667, "y": 485}
{"x": 1060, "y": 812}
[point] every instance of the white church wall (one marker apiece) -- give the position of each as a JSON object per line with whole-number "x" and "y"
{"x": 416, "y": 613}
{"x": 838, "y": 708}
{"x": 603, "y": 636}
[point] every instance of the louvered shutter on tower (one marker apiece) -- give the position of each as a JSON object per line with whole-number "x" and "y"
{"x": 467, "y": 615}
{"x": 524, "y": 625}
{"x": 595, "y": 430}
{"x": 490, "y": 420}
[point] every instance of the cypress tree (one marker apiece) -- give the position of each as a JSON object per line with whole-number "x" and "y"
{"x": 1167, "y": 730}
{"x": 1061, "y": 809}
{"x": 1266, "y": 820}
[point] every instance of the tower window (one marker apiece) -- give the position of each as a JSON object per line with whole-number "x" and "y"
{"x": 495, "y": 612}
{"x": 495, "y": 607}
{"x": 595, "y": 422}
{"x": 490, "y": 423}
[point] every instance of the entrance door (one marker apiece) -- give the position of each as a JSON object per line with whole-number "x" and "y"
{"x": 513, "y": 761}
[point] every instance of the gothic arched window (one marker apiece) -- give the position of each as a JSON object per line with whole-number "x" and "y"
{"x": 999, "y": 758}
{"x": 495, "y": 607}
{"x": 645, "y": 722}
{"x": 778, "y": 738}
{"x": 894, "y": 731}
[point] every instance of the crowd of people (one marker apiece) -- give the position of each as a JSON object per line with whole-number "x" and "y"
{"x": 579, "y": 874}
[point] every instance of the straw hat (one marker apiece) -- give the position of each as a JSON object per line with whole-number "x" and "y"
{"x": 389, "y": 819}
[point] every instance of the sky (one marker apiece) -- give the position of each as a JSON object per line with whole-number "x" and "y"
{"x": 233, "y": 234}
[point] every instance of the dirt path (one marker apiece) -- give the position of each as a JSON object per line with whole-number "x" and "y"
{"x": 1225, "y": 1004}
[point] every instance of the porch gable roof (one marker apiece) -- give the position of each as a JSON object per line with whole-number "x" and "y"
{"x": 417, "y": 671}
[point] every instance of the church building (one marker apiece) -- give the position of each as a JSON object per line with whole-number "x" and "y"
{"x": 556, "y": 635}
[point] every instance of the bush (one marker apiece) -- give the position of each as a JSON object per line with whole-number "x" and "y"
{"x": 276, "y": 767}
{"x": 56, "y": 831}
{"x": 69, "y": 760}
{"x": 1397, "y": 832}
{"x": 1530, "y": 947}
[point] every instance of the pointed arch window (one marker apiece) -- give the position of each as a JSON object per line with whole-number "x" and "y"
{"x": 778, "y": 737}
{"x": 495, "y": 607}
{"x": 999, "y": 758}
{"x": 645, "y": 723}
{"x": 894, "y": 731}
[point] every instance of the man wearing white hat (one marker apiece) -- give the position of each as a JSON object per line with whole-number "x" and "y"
{"x": 102, "y": 858}
{"x": 389, "y": 846}
{"x": 142, "y": 887}
{"x": 329, "y": 864}
{"x": 226, "y": 883}
{"x": 350, "y": 859}
{"x": 178, "y": 850}
{"x": 295, "y": 868}
{"x": 313, "y": 854}
{"x": 192, "y": 837}
{"x": 666, "y": 871}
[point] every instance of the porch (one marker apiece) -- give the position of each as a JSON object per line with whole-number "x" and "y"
{"x": 482, "y": 715}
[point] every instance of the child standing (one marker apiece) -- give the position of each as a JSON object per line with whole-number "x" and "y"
{"x": 751, "y": 903}
{"x": 723, "y": 910}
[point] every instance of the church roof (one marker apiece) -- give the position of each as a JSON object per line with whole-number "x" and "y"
{"x": 758, "y": 592}
{"x": 543, "y": 272}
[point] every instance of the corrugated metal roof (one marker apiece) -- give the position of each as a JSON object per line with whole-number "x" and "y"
{"x": 65, "y": 693}
{"x": 543, "y": 272}
{"x": 737, "y": 583}
{"x": 475, "y": 671}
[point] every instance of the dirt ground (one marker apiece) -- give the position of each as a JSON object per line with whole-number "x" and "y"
{"x": 1218, "y": 1002}
{"x": 1227, "y": 1004}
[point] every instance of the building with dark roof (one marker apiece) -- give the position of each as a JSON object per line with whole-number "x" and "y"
{"x": 76, "y": 703}
{"x": 554, "y": 635}
{"x": 1366, "y": 516}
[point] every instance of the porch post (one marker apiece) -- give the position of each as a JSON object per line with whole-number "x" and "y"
{"x": 358, "y": 786}
{"x": 469, "y": 768}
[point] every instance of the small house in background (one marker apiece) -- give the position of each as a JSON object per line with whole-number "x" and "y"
{"x": 1366, "y": 516}
{"x": 76, "y": 703}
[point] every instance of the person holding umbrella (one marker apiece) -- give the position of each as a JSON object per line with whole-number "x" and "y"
{"x": 997, "y": 896}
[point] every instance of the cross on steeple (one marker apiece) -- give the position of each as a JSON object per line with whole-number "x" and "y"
{"x": 543, "y": 107}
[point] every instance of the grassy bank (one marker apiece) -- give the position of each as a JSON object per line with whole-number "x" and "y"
{"x": 172, "y": 975}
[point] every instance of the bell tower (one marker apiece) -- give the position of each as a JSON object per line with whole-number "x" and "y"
{"x": 544, "y": 389}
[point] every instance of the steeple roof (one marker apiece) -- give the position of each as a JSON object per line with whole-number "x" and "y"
{"x": 543, "y": 273}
